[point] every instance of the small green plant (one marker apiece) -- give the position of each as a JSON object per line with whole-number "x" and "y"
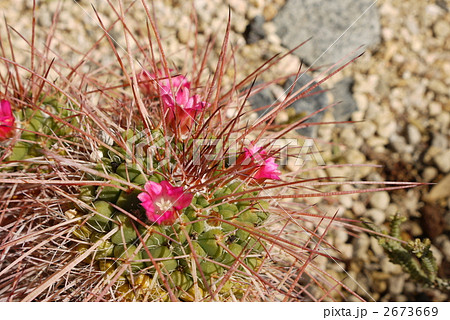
{"x": 415, "y": 257}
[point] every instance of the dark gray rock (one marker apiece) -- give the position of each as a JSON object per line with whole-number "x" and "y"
{"x": 327, "y": 21}
{"x": 262, "y": 99}
{"x": 342, "y": 92}
{"x": 254, "y": 31}
{"x": 314, "y": 101}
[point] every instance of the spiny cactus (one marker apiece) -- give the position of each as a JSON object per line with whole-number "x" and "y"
{"x": 415, "y": 257}
{"x": 41, "y": 128}
{"x": 149, "y": 185}
{"x": 209, "y": 235}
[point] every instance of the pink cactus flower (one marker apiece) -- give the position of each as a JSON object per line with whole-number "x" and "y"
{"x": 257, "y": 165}
{"x": 6, "y": 119}
{"x": 153, "y": 84}
{"x": 180, "y": 110}
{"x": 162, "y": 201}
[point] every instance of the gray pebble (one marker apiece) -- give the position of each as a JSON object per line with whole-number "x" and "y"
{"x": 255, "y": 31}
{"x": 342, "y": 92}
{"x": 337, "y": 28}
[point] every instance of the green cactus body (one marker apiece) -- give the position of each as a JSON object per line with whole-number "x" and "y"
{"x": 126, "y": 232}
{"x": 207, "y": 226}
{"x": 38, "y": 126}
{"x": 161, "y": 252}
{"x": 101, "y": 220}
{"x": 122, "y": 252}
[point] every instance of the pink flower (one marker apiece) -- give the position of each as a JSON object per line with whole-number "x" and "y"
{"x": 257, "y": 165}
{"x": 181, "y": 109}
{"x": 153, "y": 84}
{"x": 6, "y": 119}
{"x": 161, "y": 201}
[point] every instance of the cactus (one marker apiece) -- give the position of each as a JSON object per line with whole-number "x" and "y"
{"x": 210, "y": 235}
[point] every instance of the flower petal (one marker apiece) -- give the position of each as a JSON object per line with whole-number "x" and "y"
{"x": 157, "y": 194}
{"x": 154, "y": 189}
{"x": 184, "y": 201}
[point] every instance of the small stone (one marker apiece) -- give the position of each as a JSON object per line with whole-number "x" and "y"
{"x": 44, "y": 19}
{"x": 238, "y": 6}
{"x": 388, "y": 267}
{"x": 373, "y": 111}
{"x": 414, "y": 229}
{"x": 270, "y": 27}
{"x": 396, "y": 284}
{"x": 444, "y": 245}
{"x": 414, "y": 135}
{"x": 348, "y": 135}
{"x": 367, "y": 129}
{"x": 350, "y": 281}
{"x": 431, "y": 153}
{"x": 388, "y": 129}
{"x": 380, "y": 286}
{"x": 362, "y": 101}
{"x": 376, "y": 215}
{"x": 439, "y": 141}
{"x": 391, "y": 210}
{"x": 411, "y": 24}
{"x": 361, "y": 246}
{"x": 354, "y": 156}
{"x": 447, "y": 218}
{"x": 401, "y": 298}
{"x": 411, "y": 201}
{"x": 346, "y": 250}
{"x": 239, "y": 24}
{"x": 183, "y": 35}
{"x": 429, "y": 174}
{"x": 358, "y": 208}
{"x": 340, "y": 236}
{"x": 398, "y": 142}
{"x": 444, "y": 122}
{"x": 282, "y": 117}
{"x": 437, "y": 254}
{"x": 346, "y": 201}
{"x": 435, "y": 108}
{"x": 339, "y": 171}
{"x": 377, "y": 141}
{"x": 380, "y": 200}
{"x": 409, "y": 288}
{"x": 438, "y": 86}
{"x": 439, "y": 191}
{"x": 376, "y": 248}
{"x": 442, "y": 161}
{"x": 358, "y": 116}
{"x": 441, "y": 29}
{"x": 270, "y": 11}
{"x": 387, "y": 34}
